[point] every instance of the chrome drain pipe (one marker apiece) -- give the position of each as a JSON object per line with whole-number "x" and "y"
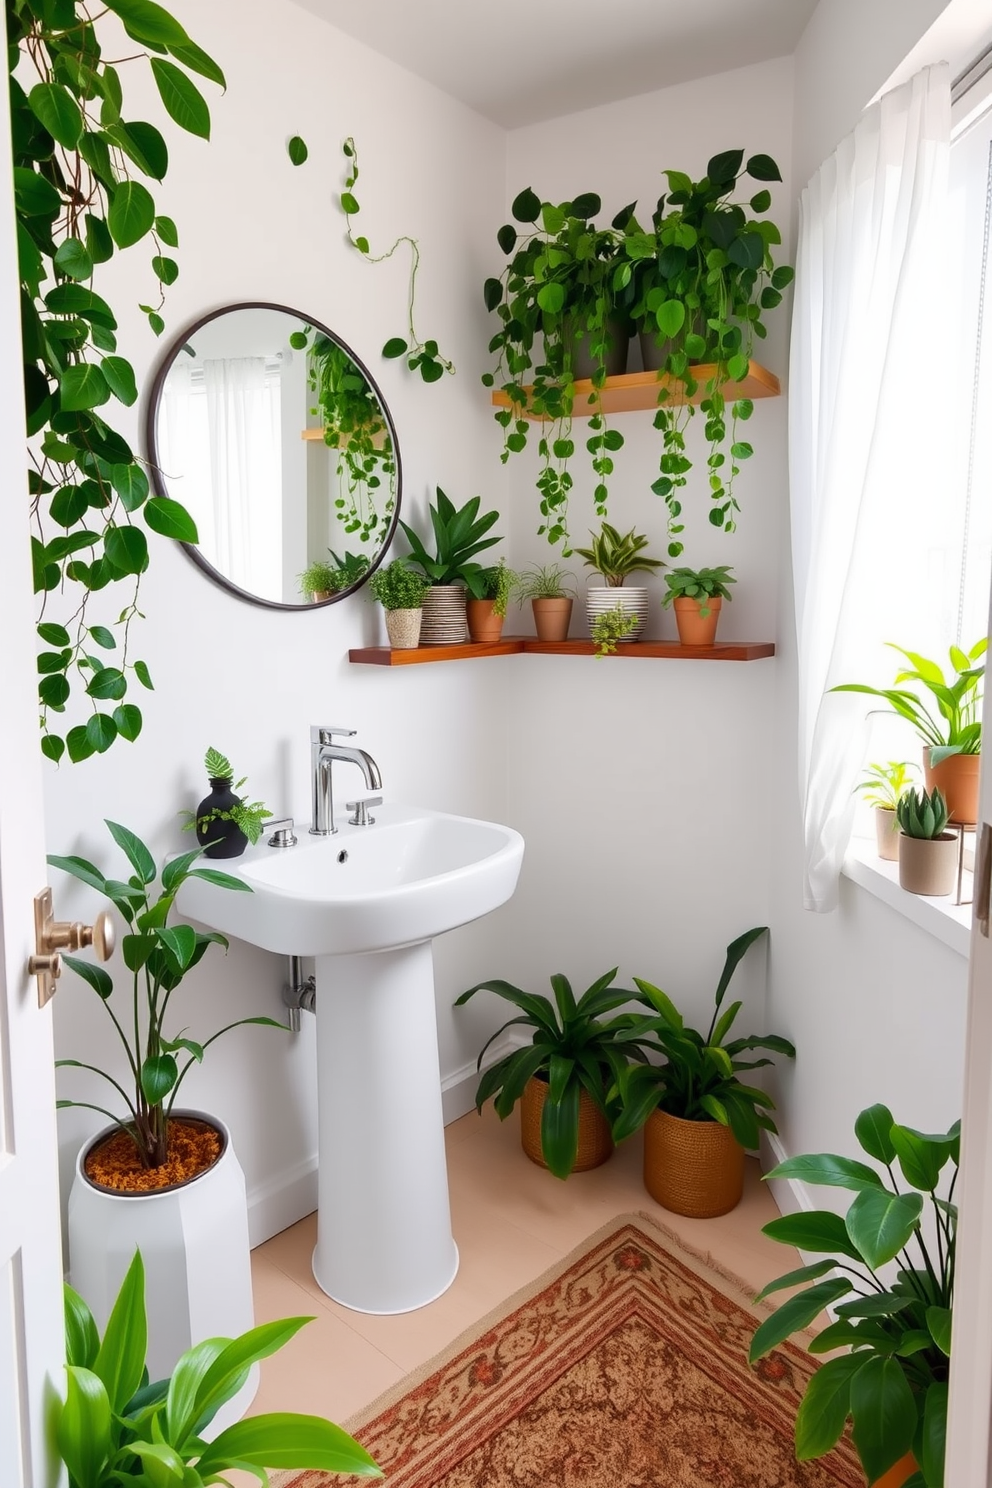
{"x": 297, "y": 994}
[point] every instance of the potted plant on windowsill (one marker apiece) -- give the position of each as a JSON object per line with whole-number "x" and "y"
{"x": 616, "y": 557}
{"x": 224, "y": 823}
{"x": 893, "y": 1381}
{"x": 490, "y": 590}
{"x": 562, "y": 1077}
{"x": 401, "y": 593}
{"x": 551, "y": 591}
{"x": 697, "y": 1113}
{"x": 927, "y": 853}
{"x": 459, "y": 535}
{"x": 952, "y": 735}
{"x": 697, "y": 595}
{"x": 883, "y": 787}
{"x": 160, "y": 1178}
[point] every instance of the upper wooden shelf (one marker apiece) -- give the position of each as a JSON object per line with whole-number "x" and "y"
{"x": 638, "y": 390}
{"x": 515, "y": 645}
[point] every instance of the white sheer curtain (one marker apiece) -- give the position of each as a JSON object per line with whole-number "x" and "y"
{"x": 865, "y": 436}
{"x": 245, "y": 472}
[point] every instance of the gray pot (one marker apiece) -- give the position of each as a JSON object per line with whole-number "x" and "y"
{"x": 444, "y": 622}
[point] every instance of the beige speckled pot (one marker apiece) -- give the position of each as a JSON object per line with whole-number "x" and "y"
{"x": 887, "y": 833}
{"x": 403, "y": 628}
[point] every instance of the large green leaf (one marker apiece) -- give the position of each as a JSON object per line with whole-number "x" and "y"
{"x": 54, "y": 106}
{"x": 197, "y": 60}
{"x": 939, "y": 1324}
{"x": 146, "y": 21}
{"x": 884, "y": 1414}
{"x": 83, "y": 1430}
{"x": 825, "y": 1407}
{"x": 180, "y": 943}
{"x": 83, "y": 386}
{"x": 560, "y": 1128}
{"x": 82, "y": 1342}
{"x": 817, "y": 1230}
{"x": 873, "y": 1130}
{"x": 197, "y": 1393}
{"x": 100, "y": 980}
{"x": 170, "y": 519}
{"x": 134, "y": 850}
{"x": 182, "y": 98}
{"x": 120, "y": 1361}
{"x": 921, "y": 1157}
{"x": 829, "y": 1171}
{"x": 934, "y": 1440}
{"x": 80, "y": 868}
{"x": 796, "y": 1313}
{"x": 131, "y": 213}
{"x": 158, "y": 1076}
{"x": 287, "y": 1441}
{"x": 880, "y": 1224}
{"x": 795, "y": 1278}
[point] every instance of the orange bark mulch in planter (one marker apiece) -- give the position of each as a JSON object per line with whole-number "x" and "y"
{"x": 625, "y": 1366}
{"x": 193, "y": 1146}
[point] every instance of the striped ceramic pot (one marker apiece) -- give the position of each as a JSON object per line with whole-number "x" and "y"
{"x": 632, "y": 602}
{"x": 444, "y": 621}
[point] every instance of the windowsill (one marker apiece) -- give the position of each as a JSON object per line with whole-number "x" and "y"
{"x": 942, "y": 918}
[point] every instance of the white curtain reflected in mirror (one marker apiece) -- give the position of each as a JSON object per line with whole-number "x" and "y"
{"x": 275, "y": 439}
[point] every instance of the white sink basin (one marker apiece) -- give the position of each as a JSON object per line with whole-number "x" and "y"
{"x": 409, "y": 877}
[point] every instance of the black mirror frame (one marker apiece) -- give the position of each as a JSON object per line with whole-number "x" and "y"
{"x": 161, "y": 489}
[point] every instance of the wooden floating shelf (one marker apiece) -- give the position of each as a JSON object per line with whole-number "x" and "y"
{"x": 639, "y": 390}
{"x": 520, "y": 645}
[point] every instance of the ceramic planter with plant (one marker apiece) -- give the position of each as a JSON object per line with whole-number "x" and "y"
{"x": 489, "y": 591}
{"x": 114, "y": 1427}
{"x": 615, "y": 557}
{"x": 459, "y": 535}
{"x": 928, "y": 853}
{"x": 224, "y": 823}
{"x": 697, "y": 596}
{"x": 158, "y": 1178}
{"x": 322, "y": 580}
{"x": 887, "y": 1274}
{"x": 401, "y": 593}
{"x": 950, "y": 728}
{"x": 551, "y": 591}
{"x": 883, "y": 787}
{"x": 698, "y": 1115}
{"x": 559, "y": 323}
{"x": 562, "y": 1077}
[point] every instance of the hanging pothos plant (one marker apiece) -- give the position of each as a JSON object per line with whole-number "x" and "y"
{"x": 355, "y": 427}
{"x": 75, "y": 159}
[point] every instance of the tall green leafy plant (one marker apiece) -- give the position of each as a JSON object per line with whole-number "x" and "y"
{"x": 80, "y": 163}
{"x": 955, "y": 725}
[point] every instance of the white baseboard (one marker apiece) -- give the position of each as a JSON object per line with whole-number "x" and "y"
{"x": 291, "y": 1195}
{"x": 791, "y": 1196}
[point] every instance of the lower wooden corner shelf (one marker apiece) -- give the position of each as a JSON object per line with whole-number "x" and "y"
{"x": 518, "y": 645}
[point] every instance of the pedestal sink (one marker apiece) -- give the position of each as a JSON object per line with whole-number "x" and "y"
{"x": 366, "y": 903}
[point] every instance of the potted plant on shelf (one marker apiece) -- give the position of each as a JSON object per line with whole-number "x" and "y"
{"x": 459, "y": 535}
{"x": 927, "y": 852}
{"x": 322, "y": 580}
{"x": 698, "y": 1115}
{"x": 892, "y": 1383}
{"x": 697, "y": 595}
{"x": 224, "y": 823}
{"x": 611, "y": 626}
{"x": 562, "y": 1077}
{"x": 161, "y": 1178}
{"x": 114, "y": 1427}
{"x": 401, "y": 593}
{"x": 952, "y": 740}
{"x": 490, "y": 590}
{"x": 616, "y": 557}
{"x": 551, "y": 591}
{"x": 883, "y": 787}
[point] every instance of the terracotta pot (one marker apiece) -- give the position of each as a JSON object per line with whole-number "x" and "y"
{"x": 443, "y": 621}
{"x": 957, "y": 780}
{"x": 887, "y": 833}
{"x": 403, "y": 628}
{"x": 632, "y": 601}
{"x": 928, "y": 865}
{"x": 552, "y": 617}
{"x": 484, "y": 626}
{"x": 696, "y": 629}
{"x": 694, "y": 1168}
{"x": 898, "y": 1474}
{"x": 595, "y": 1142}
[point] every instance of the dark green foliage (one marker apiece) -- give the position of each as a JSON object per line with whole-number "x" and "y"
{"x": 892, "y": 1384}
{"x": 248, "y": 816}
{"x": 397, "y": 587}
{"x": 458, "y": 536}
{"x": 75, "y": 157}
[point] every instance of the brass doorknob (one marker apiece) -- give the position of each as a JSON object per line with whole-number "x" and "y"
{"x": 52, "y": 936}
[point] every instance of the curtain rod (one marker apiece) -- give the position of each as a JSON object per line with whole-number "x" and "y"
{"x": 972, "y": 74}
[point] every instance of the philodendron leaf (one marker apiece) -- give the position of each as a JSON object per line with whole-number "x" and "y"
{"x": 830, "y": 1171}
{"x": 797, "y": 1313}
{"x": 825, "y": 1407}
{"x": 873, "y": 1130}
{"x": 884, "y": 1413}
{"x": 297, "y": 150}
{"x": 880, "y": 1224}
{"x": 939, "y": 1323}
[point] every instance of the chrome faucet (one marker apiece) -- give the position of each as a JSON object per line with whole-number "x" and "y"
{"x": 323, "y": 752}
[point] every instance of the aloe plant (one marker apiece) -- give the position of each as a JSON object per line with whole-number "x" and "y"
{"x": 922, "y": 815}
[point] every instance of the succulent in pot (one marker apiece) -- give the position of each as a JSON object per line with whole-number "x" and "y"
{"x": 950, "y": 728}
{"x": 459, "y": 536}
{"x": 615, "y": 556}
{"x": 697, "y": 595}
{"x": 894, "y": 1324}
{"x": 401, "y": 593}
{"x": 697, "y": 1113}
{"x": 564, "y": 1075}
{"x": 551, "y": 591}
{"x": 927, "y": 851}
{"x": 882, "y": 788}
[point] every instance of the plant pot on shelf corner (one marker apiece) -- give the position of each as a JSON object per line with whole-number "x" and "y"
{"x": 616, "y": 556}
{"x": 552, "y": 618}
{"x": 957, "y": 780}
{"x": 403, "y": 628}
{"x": 550, "y": 589}
{"x": 485, "y": 627}
{"x": 489, "y": 589}
{"x": 631, "y": 601}
{"x": 444, "y": 620}
{"x": 595, "y": 1144}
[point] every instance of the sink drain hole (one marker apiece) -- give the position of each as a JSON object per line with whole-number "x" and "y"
{"x": 343, "y": 855}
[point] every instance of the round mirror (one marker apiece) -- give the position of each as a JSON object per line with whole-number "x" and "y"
{"x": 271, "y": 433}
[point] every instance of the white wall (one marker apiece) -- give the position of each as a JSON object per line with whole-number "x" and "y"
{"x": 249, "y": 680}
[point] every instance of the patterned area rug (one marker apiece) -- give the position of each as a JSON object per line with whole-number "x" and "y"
{"x": 623, "y": 1367}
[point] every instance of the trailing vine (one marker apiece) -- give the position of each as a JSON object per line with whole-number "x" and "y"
{"x": 75, "y": 157}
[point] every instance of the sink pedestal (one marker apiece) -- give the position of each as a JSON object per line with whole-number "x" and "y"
{"x": 384, "y": 1240}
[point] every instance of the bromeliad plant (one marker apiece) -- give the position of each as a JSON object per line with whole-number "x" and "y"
{"x": 892, "y": 1383}
{"x": 700, "y": 1078}
{"x": 115, "y": 1427}
{"x": 158, "y": 956}
{"x": 616, "y": 557}
{"x": 458, "y": 535}
{"x": 572, "y": 1047}
{"x": 80, "y": 165}
{"x": 957, "y": 726}
{"x": 921, "y": 815}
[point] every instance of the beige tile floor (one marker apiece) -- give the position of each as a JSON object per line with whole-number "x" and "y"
{"x": 511, "y": 1221}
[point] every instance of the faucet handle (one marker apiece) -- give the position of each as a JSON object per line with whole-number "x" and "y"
{"x": 282, "y": 832}
{"x": 322, "y": 733}
{"x": 362, "y": 816}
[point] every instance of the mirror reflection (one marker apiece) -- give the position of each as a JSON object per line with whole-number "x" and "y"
{"x": 272, "y": 434}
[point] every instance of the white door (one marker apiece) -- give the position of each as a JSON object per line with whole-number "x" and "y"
{"x": 969, "y": 1462}
{"x": 31, "y": 1349}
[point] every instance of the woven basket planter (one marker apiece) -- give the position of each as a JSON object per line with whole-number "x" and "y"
{"x": 595, "y": 1142}
{"x": 444, "y": 621}
{"x": 694, "y": 1168}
